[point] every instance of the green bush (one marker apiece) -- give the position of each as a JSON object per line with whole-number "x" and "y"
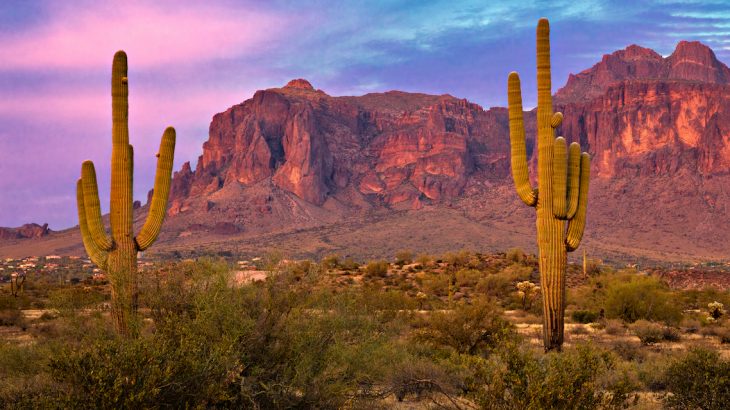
{"x": 349, "y": 265}
{"x": 467, "y": 329}
{"x": 376, "y": 269}
{"x": 575, "y": 379}
{"x": 403, "y": 257}
{"x": 648, "y": 332}
{"x": 437, "y": 285}
{"x": 424, "y": 259}
{"x": 642, "y": 297}
{"x": 331, "y": 262}
{"x": 458, "y": 260}
{"x": 699, "y": 380}
{"x": 74, "y": 298}
{"x": 468, "y": 277}
{"x": 515, "y": 255}
{"x": 614, "y": 327}
{"x": 584, "y": 316}
{"x": 142, "y": 374}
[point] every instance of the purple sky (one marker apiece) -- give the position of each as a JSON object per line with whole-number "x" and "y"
{"x": 191, "y": 59}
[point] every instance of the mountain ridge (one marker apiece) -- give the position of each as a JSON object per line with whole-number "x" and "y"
{"x": 293, "y": 163}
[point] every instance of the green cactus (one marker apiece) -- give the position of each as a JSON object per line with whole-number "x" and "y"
{"x": 563, "y": 174}
{"x": 117, "y": 254}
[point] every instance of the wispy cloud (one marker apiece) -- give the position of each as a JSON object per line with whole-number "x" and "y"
{"x": 155, "y": 34}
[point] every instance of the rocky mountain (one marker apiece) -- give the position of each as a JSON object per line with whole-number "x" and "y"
{"x": 296, "y": 169}
{"x": 26, "y": 231}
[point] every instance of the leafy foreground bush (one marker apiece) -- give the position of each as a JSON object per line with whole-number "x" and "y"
{"x": 641, "y": 297}
{"x": 270, "y": 345}
{"x": 701, "y": 380}
{"x": 579, "y": 378}
{"x": 294, "y": 342}
{"x": 584, "y": 316}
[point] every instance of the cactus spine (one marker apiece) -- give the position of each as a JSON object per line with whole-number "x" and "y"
{"x": 562, "y": 194}
{"x": 117, "y": 254}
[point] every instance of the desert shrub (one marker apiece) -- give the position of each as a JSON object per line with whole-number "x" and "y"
{"x": 651, "y": 370}
{"x": 515, "y": 255}
{"x": 579, "y": 329}
{"x": 691, "y": 325}
{"x": 642, "y": 297}
{"x": 593, "y": 266}
{"x": 12, "y": 317}
{"x": 577, "y": 378}
{"x": 141, "y": 374}
{"x": 495, "y": 285}
{"x": 627, "y": 350}
{"x": 699, "y": 380}
{"x": 330, "y": 262}
{"x": 403, "y": 257}
{"x": 421, "y": 379}
{"x": 349, "y": 265}
{"x": 648, "y": 332}
{"x": 467, "y": 329}
{"x": 701, "y": 298}
{"x": 723, "y": 333}
{"x": 424, "y": 259}
{"x": 614, "y": 327}
{"x": 584, "y": 316}
{"x": 468, "y": 277}
{"x": 437, "y": 285}
{"x": 74, "y": 298}
{"x": 458, "y": 260}
{"x": 671, "y": 334}
{"x": 377, "y": 269}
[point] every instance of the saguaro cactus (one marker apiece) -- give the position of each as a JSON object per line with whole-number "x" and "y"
{"x": 562, "y": 194}
{"x": 117, "y": 254}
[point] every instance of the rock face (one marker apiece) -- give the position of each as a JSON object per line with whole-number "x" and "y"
{"x": 391, "y": 148}
{"x": 639, "y": 115}
{"x": 293, "y": 158}
{"x": 27, "y": 231}
{"x": 642, "y": 114}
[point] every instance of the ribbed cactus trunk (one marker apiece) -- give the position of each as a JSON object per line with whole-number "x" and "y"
{"x": 118, "y": 254}
{"x": 562, "y": 192}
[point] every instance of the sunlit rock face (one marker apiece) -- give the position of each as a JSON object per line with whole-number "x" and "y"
{"x": 391, "y": 147}
{"x": 639, "y": 115}
{"x": 642, "y": 114}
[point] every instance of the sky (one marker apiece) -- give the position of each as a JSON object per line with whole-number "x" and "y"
{"x": 191, "y": 59}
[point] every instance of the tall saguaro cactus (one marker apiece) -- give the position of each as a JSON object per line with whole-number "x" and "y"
{"x": 561, "y": 197}
{"x": 117, "y": 254}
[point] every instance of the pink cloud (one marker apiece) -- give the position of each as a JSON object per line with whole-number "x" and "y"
{"x": 151, "y": 34}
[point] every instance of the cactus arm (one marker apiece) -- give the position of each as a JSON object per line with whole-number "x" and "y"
{"x": 578, "y": 223}
{"x": 527, "y": 194}
{"x": 97, "y": 255}
{"x": 560, "y": 176}
{"x": 92, "y": 207}
{"x": 158, "y": 207}
{"x": 573, "y": 179}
